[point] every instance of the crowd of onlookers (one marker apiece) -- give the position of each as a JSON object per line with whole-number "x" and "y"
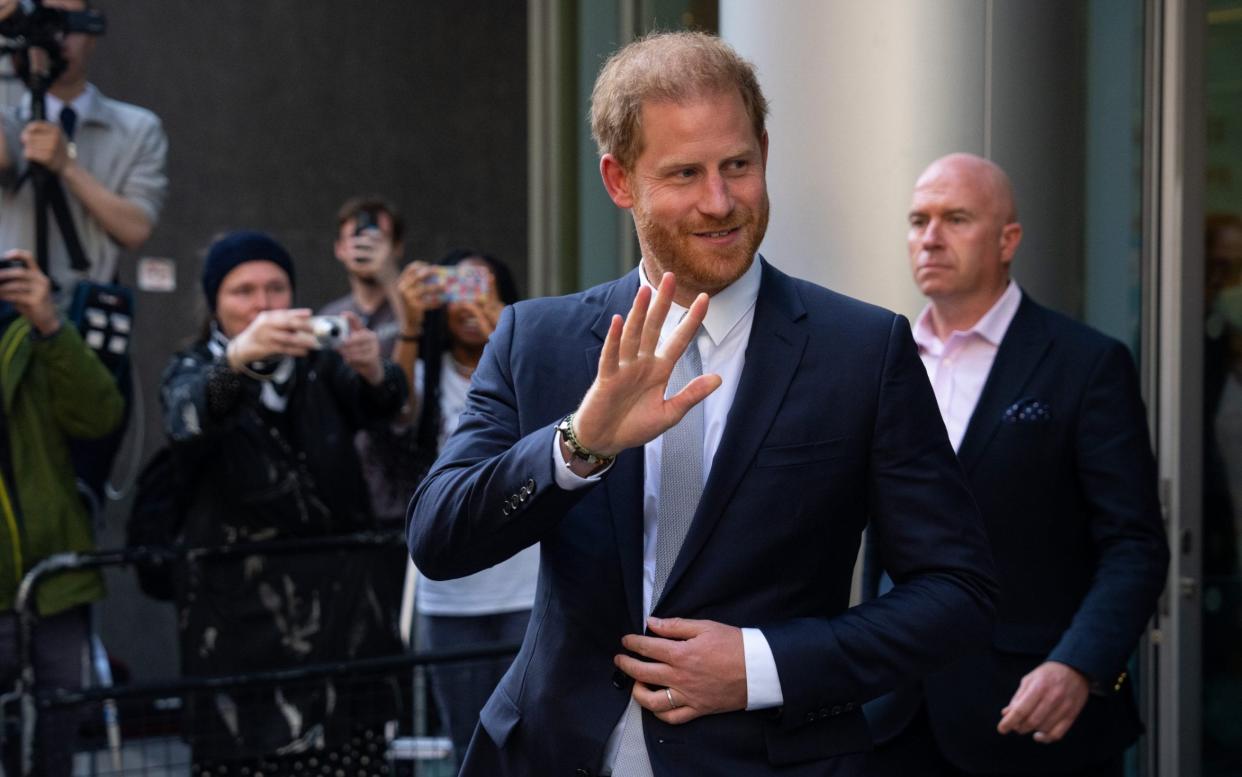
{"x": 283, "y": 424}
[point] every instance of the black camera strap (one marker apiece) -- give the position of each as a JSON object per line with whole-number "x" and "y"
{"x": 55, "y": 194}
{"x": 64, "y": 220}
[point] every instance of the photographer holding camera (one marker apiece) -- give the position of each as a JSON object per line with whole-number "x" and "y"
{"x": 55, "y": 388}
{"x": 108, "y": 156}
{"x": 452, "y": 308}
{"x": 369, "y": 235}
{"x": 262, "y": 412}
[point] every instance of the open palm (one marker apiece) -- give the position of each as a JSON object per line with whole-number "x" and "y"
{"x": 625, "y": 406}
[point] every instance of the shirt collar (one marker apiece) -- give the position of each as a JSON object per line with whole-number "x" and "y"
{"x": 991, "y": 327}
{"x": 84, "y": 104}
{"x": 727, "y": 305}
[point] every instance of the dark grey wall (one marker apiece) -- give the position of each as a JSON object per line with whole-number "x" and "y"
{"x": 277, "y": 111}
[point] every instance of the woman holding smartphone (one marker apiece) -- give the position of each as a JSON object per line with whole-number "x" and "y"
{"x": 452, "y": 309}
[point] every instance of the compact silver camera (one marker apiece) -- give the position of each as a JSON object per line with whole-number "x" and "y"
{"x": 330, "y": 331}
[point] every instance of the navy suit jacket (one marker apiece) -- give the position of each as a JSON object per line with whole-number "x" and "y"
{"x": 833, "y": 426}
{"x": 1058, "y": 457}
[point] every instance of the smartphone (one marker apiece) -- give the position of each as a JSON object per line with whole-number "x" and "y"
{"x": 364, "y": 220}
{"x": 463, "y": 282}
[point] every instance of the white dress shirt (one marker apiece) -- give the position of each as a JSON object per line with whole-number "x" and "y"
{"x": 958, "y": 366}
{"x": 722, "y": 344}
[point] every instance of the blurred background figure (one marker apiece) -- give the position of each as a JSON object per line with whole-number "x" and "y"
{"x": 369, "y": 245}
{"x": 264, "y": 411}
{"x": 109, "y": 157}
{"x": 1222, "y": 482}
{"x": 54, "y": 387}
{"x": 450, "y": 318}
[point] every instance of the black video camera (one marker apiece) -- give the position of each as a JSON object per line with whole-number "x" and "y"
{"x": 33, "y": 25}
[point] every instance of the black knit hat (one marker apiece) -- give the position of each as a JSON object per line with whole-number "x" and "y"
{"x": 238, "y": 248}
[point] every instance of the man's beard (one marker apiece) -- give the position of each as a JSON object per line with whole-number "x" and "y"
{"x": 702, "y": 267}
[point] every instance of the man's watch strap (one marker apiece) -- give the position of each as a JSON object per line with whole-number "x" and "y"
{"x": 576, "y": 449}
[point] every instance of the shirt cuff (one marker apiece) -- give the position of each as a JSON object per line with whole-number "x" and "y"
{"x": 566, "y": 478}
{"x": 763, "y": 684}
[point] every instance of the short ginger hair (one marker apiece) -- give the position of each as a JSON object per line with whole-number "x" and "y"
{"x": 674, "y": 66}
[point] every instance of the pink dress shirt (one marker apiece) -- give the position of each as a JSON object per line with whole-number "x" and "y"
{"x": 958, "y": 366}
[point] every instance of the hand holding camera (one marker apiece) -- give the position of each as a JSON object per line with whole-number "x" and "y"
{"x": 26, "y": 288}
{"x": 369, "y": 247}
{"x": 273, "y": 333}
{"x": 360, "y": 350}
{"x": 44, "y": 143}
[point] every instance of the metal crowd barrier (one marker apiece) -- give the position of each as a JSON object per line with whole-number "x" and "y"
{"x": 144, "y": 728}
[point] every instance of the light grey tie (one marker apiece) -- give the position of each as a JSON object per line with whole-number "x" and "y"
{"x": 681, "y": 486}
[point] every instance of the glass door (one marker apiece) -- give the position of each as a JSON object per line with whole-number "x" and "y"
{"x": 1221, "y": 601}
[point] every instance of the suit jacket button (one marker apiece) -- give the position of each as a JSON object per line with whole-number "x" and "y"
{"x": 582, "y": 773}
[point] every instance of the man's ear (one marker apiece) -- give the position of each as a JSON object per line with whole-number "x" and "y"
{"x": 1010, "y": 237}
{"x": 617, "y": 181}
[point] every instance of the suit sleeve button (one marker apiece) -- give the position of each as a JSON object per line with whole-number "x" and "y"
{"x": 619, "y": 680}
{"x": 810, "y": 717}
{"x": 505, "y": 509}
{"x": 582, "y": 773}
{"x": 836, "y": 710}
{"x": 531, "y": 485}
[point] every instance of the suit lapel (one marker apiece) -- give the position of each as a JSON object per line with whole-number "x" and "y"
{"x": 1024, "y": 346}
{"x": 772, "y": 357}
{"x": 624, "y": 484}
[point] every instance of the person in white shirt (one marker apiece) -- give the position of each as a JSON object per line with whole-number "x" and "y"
{"x": 109, "y": 157}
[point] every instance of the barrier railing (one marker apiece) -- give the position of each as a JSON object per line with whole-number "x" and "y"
{"x": 149, "y": 727}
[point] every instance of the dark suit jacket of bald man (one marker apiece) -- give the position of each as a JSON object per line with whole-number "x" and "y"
{"x": 1059, "y": 459}
{"x": 833, "y": 425}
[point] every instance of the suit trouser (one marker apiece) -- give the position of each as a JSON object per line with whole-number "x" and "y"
{"x": 915, "y": 753}
{"x": 461, "y": 689}
{"x": 59, "y": 644}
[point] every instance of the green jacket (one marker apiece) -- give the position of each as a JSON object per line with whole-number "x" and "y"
{"x": 52, "y": 389}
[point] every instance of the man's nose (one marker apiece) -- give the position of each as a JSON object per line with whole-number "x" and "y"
{"x": 931, "y": 233}
{"x": 717, "y": 199}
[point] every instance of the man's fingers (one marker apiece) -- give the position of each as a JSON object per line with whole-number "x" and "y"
{"x": 1015, "y": 713}
{"x": 612, "y": 349}
{"x": 659, "y": 312}
{"x": 656, "y": 701}
{"x": 632, "y": 332}
{"x": 678, "y": 628}
{"x": 665, "y": 651}
{"x": 1056, "y": 733}
{"x": 676, "y": 717}
{"x": 686, "y": 330}
{"x": 691, "y": 394}
{"x": 647, "y": 672}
